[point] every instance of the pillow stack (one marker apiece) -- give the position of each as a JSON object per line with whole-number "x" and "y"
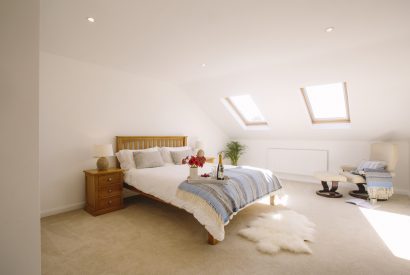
{"x": 178, "y": 156}
{"x": 126, "y": 157}
{"x": 167, "y": 156}
{"x": 152, "y": 157}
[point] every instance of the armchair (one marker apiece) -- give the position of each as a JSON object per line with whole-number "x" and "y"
{"x": 387, "y": 152}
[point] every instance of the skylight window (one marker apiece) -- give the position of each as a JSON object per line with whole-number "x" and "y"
{"x": 327, "y": 103}
{"x": 245, "y": 110}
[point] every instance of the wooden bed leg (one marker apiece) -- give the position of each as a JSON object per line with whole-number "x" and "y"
{"x": 273, "y": 199}
{"x": 212, "y": 240}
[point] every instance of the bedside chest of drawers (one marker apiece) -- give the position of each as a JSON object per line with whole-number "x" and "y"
{"x": 103, "y": 190}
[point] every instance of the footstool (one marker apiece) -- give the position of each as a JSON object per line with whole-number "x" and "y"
{"x": 324, "y": 177}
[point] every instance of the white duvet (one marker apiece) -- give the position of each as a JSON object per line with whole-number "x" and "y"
{"x": 162, "y": 182}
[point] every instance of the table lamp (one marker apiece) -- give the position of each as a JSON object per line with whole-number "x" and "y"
{"x": 101, "y": 152}
{"x": 199, "y": 146}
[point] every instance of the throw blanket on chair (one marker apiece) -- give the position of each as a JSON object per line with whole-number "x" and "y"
{"x": 379, "y": 184}
{"x": 245, "y": 185}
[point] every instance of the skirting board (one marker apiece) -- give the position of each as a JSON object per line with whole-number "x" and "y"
{"x": 402, "y": 192}
{"x": 74, "y": 206}
{"x": 62, "y": 209}
{"x": 310, "y": 179}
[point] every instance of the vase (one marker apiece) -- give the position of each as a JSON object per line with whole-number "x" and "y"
{"x": 193, "y": 172}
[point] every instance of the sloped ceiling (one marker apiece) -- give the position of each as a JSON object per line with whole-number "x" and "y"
{"x": 376, "y": 80}
{"x": 268, "y": 49}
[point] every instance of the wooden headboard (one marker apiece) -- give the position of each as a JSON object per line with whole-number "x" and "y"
{"x": 143, "y": 142}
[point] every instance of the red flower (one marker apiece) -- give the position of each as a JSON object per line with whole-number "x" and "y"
{"x": 194, "y": 161}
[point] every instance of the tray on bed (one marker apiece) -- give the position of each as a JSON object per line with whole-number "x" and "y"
{"x": 208, "y": 180}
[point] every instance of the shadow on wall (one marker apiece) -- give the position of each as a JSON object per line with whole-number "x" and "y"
{"x": 387, "y": 137}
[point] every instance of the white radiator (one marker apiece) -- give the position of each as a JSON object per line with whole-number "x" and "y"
{"x": 297, "y": 161}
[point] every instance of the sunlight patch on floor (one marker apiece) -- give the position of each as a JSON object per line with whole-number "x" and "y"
{"x": 393, "y": 229}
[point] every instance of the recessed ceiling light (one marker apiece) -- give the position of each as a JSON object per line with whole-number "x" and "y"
{"x": 203, "y": 65}
{"x": 330, "y": 29}
{"x": 91, "y": 19}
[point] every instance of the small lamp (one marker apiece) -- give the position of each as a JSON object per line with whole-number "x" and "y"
{"x": 199, "y": 146}
{"x": 101, "y": 152}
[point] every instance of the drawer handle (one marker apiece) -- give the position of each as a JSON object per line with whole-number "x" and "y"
{"x": 109, "y": 190}
{"x": 109, "y": 179}
{"x": 109, "y": 202}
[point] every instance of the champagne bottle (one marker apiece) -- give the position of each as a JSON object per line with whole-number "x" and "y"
{"x": 220, "y": 169}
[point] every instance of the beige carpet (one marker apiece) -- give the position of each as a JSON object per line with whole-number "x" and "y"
{"x": 150, "y": 238}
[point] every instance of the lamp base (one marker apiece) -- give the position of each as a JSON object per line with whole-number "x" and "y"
{"x": 200, "y": 153}
{"x": 102, "y": 163}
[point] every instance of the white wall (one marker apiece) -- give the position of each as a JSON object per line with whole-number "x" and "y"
{"x": 408, "y": 164}
{"x": 402, "y": 179}
{"x": 340, "y": 152}
{"x": 19, "y": 196}
{"x": 82, "y": 104}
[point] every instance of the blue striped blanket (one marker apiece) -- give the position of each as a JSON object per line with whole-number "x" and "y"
{"x": 246, "y": 185}
{"x": 379, "y": 184}
{"x": 378, "y": 178}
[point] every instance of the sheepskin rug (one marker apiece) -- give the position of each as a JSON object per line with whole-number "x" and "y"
{"x": 282, "y": 229}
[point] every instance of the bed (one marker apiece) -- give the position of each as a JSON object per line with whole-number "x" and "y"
{"x": 162, "y": 183}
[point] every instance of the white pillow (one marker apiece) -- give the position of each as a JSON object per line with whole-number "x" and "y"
{"x": 126, "y": 158}
{"x": 166, "y": 152}
{"x": 369, "y": 164}
{"x": 144, "y": 159}
{"x": 178, "y": 156}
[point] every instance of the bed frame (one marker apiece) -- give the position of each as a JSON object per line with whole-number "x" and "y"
{"x": 144, "y": 142}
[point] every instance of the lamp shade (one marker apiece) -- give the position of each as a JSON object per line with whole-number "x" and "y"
{"x": 102, "y": 150}
{"x": 199, "y": 144}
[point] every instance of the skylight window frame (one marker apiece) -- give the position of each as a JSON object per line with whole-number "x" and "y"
{"x": 239, "y": 114}
{"x": 316, "y": 121}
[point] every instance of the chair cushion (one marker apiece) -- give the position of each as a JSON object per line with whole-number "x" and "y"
{"x": 353, "y": 178}
{"x": 348, "y": 168}
{"x": 327, "y": 176}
